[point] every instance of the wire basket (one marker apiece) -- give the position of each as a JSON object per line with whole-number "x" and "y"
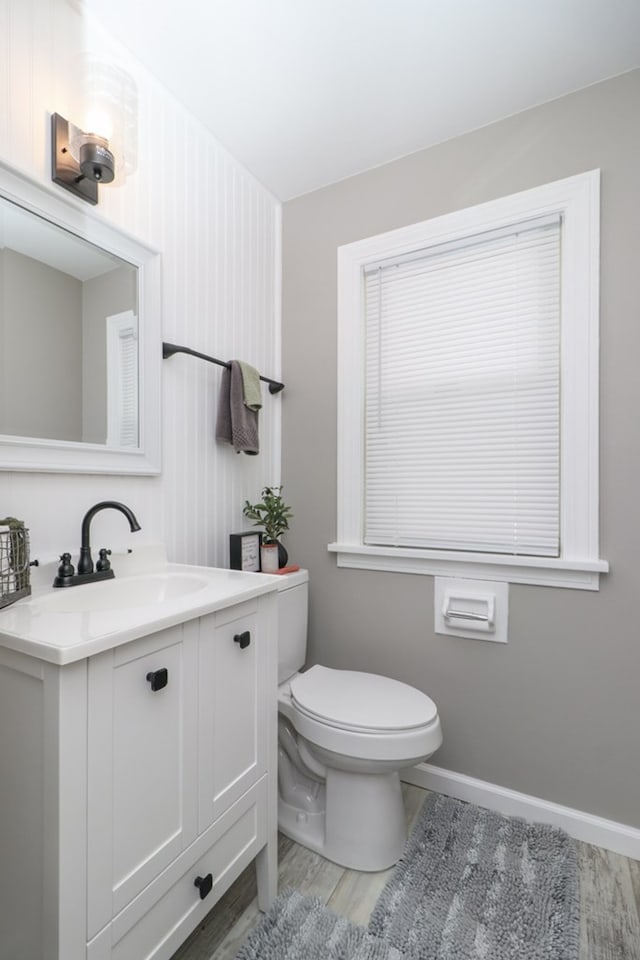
{"x": 14, "y": 566}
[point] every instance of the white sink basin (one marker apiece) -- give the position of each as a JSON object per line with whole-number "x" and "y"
{"x": 147, "y": 590}
{"x": 62, "y": 625}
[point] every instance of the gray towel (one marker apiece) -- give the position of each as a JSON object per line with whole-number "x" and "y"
{"x": 236, "y": 423}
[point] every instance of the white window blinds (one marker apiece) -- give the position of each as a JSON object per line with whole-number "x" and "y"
{"x": 128, "y": 427}
{"x": 122, "y": 379}
{"x": 463, "y": 394}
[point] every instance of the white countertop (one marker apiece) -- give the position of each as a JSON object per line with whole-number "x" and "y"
{"x": 35, "y": 627}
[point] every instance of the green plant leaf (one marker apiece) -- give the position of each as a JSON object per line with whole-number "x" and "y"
{"x": 271, "y": 513}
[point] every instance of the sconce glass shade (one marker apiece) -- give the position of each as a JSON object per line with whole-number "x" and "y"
{"x": 104, "y": 121}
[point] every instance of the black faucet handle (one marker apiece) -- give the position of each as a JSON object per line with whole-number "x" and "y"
{"x": 66, "y": 567}
{"x": 103, "y": 563}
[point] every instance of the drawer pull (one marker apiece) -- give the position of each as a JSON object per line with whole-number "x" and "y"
{"x": 243, "y": 639}
{"x": 204, "y": 885}
{"x": 158, "y": 678}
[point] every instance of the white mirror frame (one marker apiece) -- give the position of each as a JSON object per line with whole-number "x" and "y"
{"x": 31, "y": 454}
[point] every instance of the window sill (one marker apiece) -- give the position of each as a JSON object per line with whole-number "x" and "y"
{"x": 539, "y": 571}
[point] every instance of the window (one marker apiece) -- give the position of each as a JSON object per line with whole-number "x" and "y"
{"x": 122, "y": 379}
{"x": 468, "y": 392}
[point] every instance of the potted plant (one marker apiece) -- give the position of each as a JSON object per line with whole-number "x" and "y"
{"x": 273, "y": 515}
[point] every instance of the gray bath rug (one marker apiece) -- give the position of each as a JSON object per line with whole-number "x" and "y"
{"x": 474, "y": 885}
{"x": 303, "y": 928}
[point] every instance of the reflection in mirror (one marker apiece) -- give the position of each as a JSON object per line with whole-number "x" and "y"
{"x": 69, "y": 355}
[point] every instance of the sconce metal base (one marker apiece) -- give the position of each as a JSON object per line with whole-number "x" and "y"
{"x": 64, "y": 169}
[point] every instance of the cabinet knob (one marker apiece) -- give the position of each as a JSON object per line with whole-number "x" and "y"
{"x": 158, "y": 678}
{"x": 204, "y": 885}
{"x": 243, "y": 639}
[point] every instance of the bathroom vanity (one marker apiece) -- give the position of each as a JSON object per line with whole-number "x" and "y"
{"x": 137, "y": 759}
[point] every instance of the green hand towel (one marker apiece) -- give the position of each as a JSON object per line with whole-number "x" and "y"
{"x": 251, "y": 386}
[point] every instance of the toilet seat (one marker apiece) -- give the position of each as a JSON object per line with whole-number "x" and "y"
{"x": 334, "y": 710}
{"x": 360, "y": 702}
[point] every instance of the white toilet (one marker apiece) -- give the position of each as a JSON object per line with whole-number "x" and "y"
{"x": 343, "y": 737}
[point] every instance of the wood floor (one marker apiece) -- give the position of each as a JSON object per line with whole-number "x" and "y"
{"x": 610, "y": 894}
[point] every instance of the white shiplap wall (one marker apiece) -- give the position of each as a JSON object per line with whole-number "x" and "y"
{"x": 218, "y": 231}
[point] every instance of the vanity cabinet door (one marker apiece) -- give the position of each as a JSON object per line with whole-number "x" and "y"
{"x": 142, "y": 765}
{"x": 233, "y": 678}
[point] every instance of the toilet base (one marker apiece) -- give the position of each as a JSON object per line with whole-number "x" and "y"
{"x": 362, "y": 826}
{"x": 305, "y": 828}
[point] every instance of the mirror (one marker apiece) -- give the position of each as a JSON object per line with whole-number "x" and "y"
{"x": 68, "y": 315}
{"x": 79, "y": 324}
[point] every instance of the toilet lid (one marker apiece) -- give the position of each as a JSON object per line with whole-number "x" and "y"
{"x": 361, "y": 701}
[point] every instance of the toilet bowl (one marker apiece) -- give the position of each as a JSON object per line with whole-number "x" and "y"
{"x": 343, "y": 737}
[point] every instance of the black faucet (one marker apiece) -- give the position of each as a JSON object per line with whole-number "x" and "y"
{"x": 85, "y": 563}
{"x": 86, "y": 574}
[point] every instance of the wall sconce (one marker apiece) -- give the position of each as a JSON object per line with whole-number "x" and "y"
{"x": 100, "y": 147}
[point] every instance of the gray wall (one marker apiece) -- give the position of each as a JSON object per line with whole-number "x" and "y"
{"x": 556, "y": 712}
{"x": 113, "y": 292}
{"x": 41, "y": 349}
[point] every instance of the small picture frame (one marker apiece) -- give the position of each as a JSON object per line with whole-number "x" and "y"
{"x": 244, "y": 551}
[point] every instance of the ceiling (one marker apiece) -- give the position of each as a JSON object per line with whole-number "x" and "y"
{"x": 308, "y": 92}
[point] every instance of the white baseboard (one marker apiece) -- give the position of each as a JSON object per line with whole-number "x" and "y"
{"x": 617, "y": 837}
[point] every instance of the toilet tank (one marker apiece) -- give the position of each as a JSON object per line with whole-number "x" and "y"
{"x": 293, "y": 609}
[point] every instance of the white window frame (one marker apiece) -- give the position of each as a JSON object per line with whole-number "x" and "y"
{"x": 577, "y": 200}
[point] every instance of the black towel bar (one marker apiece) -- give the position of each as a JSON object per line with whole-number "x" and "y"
{"x": 168, "y": 350}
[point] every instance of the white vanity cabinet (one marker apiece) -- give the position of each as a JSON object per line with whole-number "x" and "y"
{"x": 141, "y": 764}
{"x": 135, "y": 785}
{"x": 231, "y": 710}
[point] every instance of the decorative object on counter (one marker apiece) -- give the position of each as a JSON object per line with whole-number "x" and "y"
{"x": 273, "y": 515}
{"x": 269, "y": 558}
{"x": 66, "y": 576}
{"x": 238, "y": 408}
{"x": 244, "y": 551}
{"x": 291, "y": 568}
{"x": 14, "y": 561}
